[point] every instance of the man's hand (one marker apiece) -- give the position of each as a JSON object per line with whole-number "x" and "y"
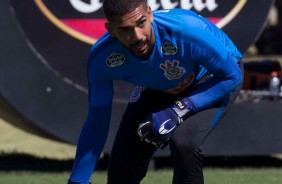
{"x": 159, "y": 128}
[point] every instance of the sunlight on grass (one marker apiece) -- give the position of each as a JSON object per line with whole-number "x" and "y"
{"x": 14, "y": 140}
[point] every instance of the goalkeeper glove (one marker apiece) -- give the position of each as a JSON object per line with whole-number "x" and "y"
{"x": 159, "y": 128}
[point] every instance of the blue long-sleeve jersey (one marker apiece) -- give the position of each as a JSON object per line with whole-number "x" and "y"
{"x": 187, "y": 47}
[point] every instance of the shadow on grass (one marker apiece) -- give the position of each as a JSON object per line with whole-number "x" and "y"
{"x": 25, "y": 162}
{"x": 232, "y": 162}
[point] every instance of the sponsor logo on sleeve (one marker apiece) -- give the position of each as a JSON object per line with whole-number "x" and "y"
{"x": 168, "y": 49}
{"x": 115, "y": 60}
{"x": 136, "y": 94}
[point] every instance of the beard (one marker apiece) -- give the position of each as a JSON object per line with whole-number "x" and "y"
{"x": 143, "y": 48}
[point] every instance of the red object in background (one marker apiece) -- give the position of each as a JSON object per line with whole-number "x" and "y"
{"x": 91, "y": 27}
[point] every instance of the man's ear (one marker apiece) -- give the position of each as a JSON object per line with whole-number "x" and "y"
{"x": 150, "y": 13}
{"x": 109, "y": 29}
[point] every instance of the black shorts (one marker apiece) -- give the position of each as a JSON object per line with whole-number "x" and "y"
{"x": 130, "y": 157}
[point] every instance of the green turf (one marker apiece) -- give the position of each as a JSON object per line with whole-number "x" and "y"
{"x": 13, "y": 140}
{"x": 244, "y": 176}
{"x": 212, "y": 176}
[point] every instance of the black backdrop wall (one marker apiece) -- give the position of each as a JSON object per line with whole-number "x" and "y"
{"x": 43, "y": 87}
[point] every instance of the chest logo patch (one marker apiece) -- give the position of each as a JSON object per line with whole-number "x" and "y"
{"x": 168, "y": 49}
{"x": 172, "y": 70}
{"x": 115, "y": 60}
{"x": 136, "y": 94}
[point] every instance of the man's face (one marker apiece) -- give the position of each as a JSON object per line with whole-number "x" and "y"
{"x": 134, "y": 31}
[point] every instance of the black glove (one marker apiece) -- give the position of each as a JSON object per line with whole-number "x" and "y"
{"x": 160, "y": 125}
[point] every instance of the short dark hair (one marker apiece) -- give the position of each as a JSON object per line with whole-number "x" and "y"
{"x": 113, "y": 8}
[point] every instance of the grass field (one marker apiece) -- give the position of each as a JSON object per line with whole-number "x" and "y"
{"x": 28, "y": 159}
{"x": 212, "y": 176}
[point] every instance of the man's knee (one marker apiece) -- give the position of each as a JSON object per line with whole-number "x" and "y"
{"x": 186, "y": 148}
{"x": 125, "y": 177}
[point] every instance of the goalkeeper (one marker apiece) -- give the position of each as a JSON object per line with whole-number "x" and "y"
{"x": 184, "y": 69}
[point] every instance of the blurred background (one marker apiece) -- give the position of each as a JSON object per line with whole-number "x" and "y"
{"x": 43, "y": 87}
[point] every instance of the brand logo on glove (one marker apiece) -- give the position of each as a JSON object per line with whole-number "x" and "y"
{"x": 180, "y": 105}
{"x": 163, "y": 130}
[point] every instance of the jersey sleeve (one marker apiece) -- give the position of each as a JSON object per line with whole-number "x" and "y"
{"x": 100, "y": 85}
{"x": 91, "y": 142}
{"x": 211, "y": 53}
{"x": 96, "y": 126}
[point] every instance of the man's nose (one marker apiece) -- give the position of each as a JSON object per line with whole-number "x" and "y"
{"x": 136, "y": 34}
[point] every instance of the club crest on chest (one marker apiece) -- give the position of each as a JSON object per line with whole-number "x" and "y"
{"x": 172, "y": 70}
